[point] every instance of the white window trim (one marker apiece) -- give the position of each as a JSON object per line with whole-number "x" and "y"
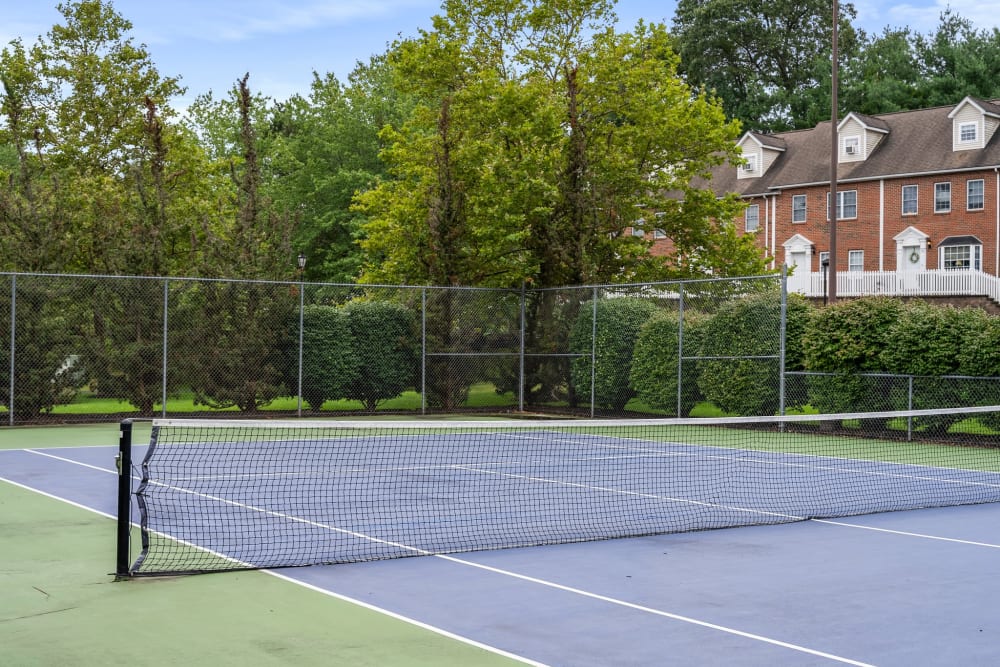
{"x": 902, "y": 203}
{"x": 852, "y": 145}
{"x": 942, "y": 210}
{"x": 746, "y": 218}
{"x": 982, "y": 194}
{"x": 840, "y": 205}
{"x": 975, "y": 257}
{"x": 851, "y": 265}
{"x": 975, "y": 132}
{"x": 805, "y": 209}
{"x": 751, "y": 163}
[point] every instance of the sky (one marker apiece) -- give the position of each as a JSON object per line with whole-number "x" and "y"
{"x": 210, "y": 44}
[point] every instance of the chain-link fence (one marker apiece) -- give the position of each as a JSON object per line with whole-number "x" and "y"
{"x": 93, "y": 348}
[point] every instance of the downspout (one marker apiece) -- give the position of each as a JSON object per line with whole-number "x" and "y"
{"x": 881, "y": 225}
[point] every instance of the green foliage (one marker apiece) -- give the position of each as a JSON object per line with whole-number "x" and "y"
{"x": 123, "y": 350}
{"x": 540, "y": 135}
{"x": 759, "y": 57}
{"x": 927, "y": 341}
{"x": 655, "y": 359}
{"x": 618, "y": 322}
{"x": 48, "y": 370}
{"x": 233, "y": 335}
{"x": 330, "y": 364}
{"x": 846, "y": 339}
{"x": 385, "y": 347}
{"x": 750, "y": 327}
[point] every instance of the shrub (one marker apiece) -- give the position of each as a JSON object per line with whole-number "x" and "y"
{"x": 385, "y": 350}
{"x": 846, "y": 339}
{"x": 654, "y": 362}
{"x": 618, "y": 324}
{"x": 926, "y": 342}
{"x": 742, "y": 329}
{"x": 329, "y": 363}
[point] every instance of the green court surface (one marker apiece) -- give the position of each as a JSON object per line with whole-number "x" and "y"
{"x": 60, "y": 606}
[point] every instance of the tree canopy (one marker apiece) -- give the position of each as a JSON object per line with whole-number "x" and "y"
{"x": 511, "y": 142}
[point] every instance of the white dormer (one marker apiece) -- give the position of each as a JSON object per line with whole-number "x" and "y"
{"x": 859, "y": 136}
{"x": 760, "y": 151}
{"x": 973, "y": 123}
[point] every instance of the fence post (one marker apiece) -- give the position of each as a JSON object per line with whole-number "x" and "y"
{"x": 166, "y": 329}
{"x": 680, "y": 348}
{"x": 909, "y": 406}
{"x": 13, "y": 347}
{"x": 781, "y": 339}
{"x": 520, "y": 372}
{"x": 593, "y": 355}
{"x": 423, "y": 351}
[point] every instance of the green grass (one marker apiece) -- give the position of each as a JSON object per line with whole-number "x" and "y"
{"x": 481, "y": 396}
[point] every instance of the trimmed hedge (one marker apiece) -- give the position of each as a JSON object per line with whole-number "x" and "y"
{"x": 750, "y": 327}
{"x": 847, "y": 339}
{"x": 329, "y": 363}
{"x": 385, "y": 348}
{"x": 618, "y": 325}
{"x": 654, "y": 362}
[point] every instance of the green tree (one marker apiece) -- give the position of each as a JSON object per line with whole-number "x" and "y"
{"x": 539, "y": 137}
{"x": 327, "y": 149}
{"x": 761, "y": 57}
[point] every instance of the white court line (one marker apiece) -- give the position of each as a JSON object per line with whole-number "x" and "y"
{"x": 550, "y": 584}
{"x": 391, "y": 614}
{"x": 905, "y": 533}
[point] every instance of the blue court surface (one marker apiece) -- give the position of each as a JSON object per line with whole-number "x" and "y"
{"x": 906, "y": 588}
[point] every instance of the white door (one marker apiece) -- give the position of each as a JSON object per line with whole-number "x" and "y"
{"x": 798, "y": 281}
{"x": 913, "y": 260}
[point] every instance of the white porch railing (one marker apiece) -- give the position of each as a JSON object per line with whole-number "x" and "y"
{"x": 907, "y": 283}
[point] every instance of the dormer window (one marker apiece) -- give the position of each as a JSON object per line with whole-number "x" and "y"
{"x": 968, "y": 132}
{"x": 751, "y": 164}
{"x": 852, "y": 145}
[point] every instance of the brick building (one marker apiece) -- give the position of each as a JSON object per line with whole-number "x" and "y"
{"x": 918, "y": 200}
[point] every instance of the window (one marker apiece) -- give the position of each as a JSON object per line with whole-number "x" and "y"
{"x": 637, "y": 228}
{"x": 856, "y": 260}
{"x": 975, "y": 197}
{"x": 659, "y": 234}
{"x": 752, "y": 217}
{"x": 968, "y": 132}
{"x": 798, "y": 208}
{"x": 824, "y": 260}
{"x": 847, "y": 205}
{"x": 942, "y": 197}
{"x": 852, "y": 145}
{"x": 961, "y": 257}
{"x": 751, "y": 163}
{"x": 909, "y": 200}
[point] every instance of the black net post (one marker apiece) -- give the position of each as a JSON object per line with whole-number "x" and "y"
{"x": 124, "y": 498}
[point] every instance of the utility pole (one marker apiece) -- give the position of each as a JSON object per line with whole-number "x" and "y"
{"x": 834, "y": 160}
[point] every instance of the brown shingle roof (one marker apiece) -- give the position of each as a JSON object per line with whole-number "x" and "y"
{"x": 918, "y": 142}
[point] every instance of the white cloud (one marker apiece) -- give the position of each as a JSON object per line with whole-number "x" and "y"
{"x": 228, "y": 20}
{"x": 923, "y": 17}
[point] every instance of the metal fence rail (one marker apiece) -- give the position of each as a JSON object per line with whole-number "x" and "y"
{"x": 82, "y": 347}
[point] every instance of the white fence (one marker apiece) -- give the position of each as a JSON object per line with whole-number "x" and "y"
{"x": 908, "y": 283}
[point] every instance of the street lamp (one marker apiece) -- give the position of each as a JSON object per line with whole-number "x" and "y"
{"x": 302, "y": 265}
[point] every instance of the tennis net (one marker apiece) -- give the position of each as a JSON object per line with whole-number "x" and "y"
{"x": 229, "y": 494}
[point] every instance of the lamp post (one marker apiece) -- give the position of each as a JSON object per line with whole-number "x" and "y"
{"x": 826, "y": 267}
{"x": 302, "y": 303}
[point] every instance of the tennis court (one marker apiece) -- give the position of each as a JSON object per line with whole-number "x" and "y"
{"x": 902, "y": 588}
